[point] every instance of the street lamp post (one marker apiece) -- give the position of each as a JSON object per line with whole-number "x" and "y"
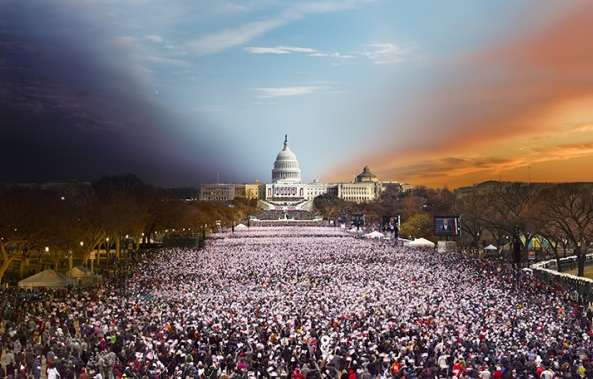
{"x": 47, "y": 252}
{"x": 107, "y": 247}
{"x": 516, "y": 247}
{"x": 70, "y": 265}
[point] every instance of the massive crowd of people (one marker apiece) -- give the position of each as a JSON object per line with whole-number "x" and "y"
{"x": 302, "y": 304}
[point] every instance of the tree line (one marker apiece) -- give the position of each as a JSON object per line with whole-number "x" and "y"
{"x": 558, "y": 214}
{"x": 69, "y": 221}
{"x": 56, "y": 223}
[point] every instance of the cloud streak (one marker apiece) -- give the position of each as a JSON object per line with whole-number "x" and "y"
{"x": 232, "y": 37}
{"x": 280, "y": 50}
{"x": 155, "y": 38}
{"x": 285, "y": 50}
{"x": 387, "y": 53}
{"x": 266, "y": 93}
{"x": 215, "y": 43}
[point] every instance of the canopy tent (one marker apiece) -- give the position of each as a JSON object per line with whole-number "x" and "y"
{"x": 490, "y": 247}
{"x": 48, "y": 279}
{"x": 421, "y": 242}
{"x": 78, "y": 272}
{"x": 374, "y": 234}
{"x": 537, "y": 242}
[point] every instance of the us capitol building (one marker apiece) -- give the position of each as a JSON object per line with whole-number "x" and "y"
{"x": 288, "y": 192}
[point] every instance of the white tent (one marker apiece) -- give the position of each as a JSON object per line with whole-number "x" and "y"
{"x": 78, "y": 272}
{"x": 240, "y": 226}
{"x": 374, "y": 234}
{"x": 490, "y": 247}
{"x": 49, "y": 279}
{"x": 421, "y": 242}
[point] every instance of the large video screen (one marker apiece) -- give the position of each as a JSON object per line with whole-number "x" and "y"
{"x": 390, "y": 222}
{"x": 446, "y": 226}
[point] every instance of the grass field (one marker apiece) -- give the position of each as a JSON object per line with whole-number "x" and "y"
{"x": 588, "y": 272}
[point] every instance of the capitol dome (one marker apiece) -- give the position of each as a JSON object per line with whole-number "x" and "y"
{"x": 366, "y": 176}
{"x": 286, "y": 167}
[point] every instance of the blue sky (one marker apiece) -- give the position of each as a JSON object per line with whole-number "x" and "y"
{"x": 179, "y": 91}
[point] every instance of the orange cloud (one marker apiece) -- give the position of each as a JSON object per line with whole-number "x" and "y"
{"x": 462, "y": 170}
{"x": 525, "y": 102}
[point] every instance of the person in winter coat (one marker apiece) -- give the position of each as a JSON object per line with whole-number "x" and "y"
{"x": 36, "y": 368}
{"x": 52, "y": 372}
{"x": 297, "y": 374}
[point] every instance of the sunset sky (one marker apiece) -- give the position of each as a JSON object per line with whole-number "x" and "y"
{"x": 436, "y": 93}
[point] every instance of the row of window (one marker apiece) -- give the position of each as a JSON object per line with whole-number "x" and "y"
{"x": 286, "y": 174}
{"x": 355, "y": 191}
{"x": 286, "y": 165}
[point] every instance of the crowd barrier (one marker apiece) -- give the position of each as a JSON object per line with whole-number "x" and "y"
{"x": 547, "y": 271}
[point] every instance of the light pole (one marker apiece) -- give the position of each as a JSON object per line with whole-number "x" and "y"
{"x": 107, "y": 247}
{"x": 46, "y": 253}
{"x": 69, "y": 259}
{"x": 128, "y": 250}
{"x": 517, "y": 246}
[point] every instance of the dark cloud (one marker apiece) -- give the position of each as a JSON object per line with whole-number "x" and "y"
{"x": 76, "y": 105}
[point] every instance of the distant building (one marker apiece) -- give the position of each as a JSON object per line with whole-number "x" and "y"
{"x": 251, "y": 191}
{"x": 286, "y": 191}
{"x": 217, "y": 192}
{"x": 359, "y": 192}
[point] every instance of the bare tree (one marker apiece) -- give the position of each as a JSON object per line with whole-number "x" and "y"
{"x": 509, "y": 211}
{"x": 569, "y": 208}
{"x": 470, "y": 208}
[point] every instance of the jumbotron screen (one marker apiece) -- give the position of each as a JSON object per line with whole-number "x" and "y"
{"x": 446, "y": 226}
